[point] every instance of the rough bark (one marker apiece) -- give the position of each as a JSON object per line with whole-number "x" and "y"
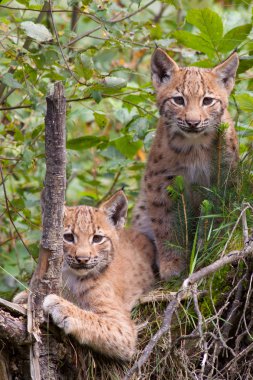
{"x": 47, "y": 276}
{"x": 13, "y": 330}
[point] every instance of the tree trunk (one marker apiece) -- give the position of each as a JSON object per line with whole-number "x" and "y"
{"x": 32, "y": 351}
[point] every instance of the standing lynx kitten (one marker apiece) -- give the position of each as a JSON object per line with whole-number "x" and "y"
{"x": 106, "y": 270}
{"x": 192, "y": 103}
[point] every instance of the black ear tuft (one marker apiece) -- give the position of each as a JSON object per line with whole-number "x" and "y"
{"x": 116, "y": 209}
{"x": 226, "y": 71}
{"x": 162, "y": 67}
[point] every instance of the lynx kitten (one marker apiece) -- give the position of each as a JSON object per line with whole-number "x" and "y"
{"x": 106, "y": 270}
{"x": 192, "y": 103}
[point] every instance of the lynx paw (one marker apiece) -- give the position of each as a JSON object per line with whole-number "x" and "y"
{"x": 21, "y": 298}
{"x": 171, "y": 267}
{"x": 60, "y": 311}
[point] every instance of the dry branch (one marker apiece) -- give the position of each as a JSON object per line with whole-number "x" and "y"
{"x": 171, "y": 308}
{"x": 13, "y": 330}
{"x": 13, "y": 307}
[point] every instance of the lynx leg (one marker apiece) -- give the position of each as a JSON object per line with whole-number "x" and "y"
{"x": 112, "y": 334}
{"x": 163, "y": 216}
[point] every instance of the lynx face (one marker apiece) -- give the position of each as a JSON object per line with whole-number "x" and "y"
{"x": 89, "y": 238}
{"x": 192, "y": 99}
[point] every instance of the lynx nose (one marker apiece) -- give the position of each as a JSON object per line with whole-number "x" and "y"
{"x": 82, "y": 259}
{"x": 193, "y": 123}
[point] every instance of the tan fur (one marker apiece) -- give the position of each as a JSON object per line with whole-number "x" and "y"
{"x": 103, "y": 278}
{"x": 186, "y": 144}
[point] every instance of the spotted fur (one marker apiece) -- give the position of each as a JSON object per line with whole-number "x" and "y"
{"x": 106, "y": 270}
{"x": 192, "y": 103}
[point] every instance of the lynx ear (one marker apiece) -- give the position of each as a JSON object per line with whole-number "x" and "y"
{"x": 116, "y": 209}
{"x": 162, "y": 67}
{"x": 226, "y": 71}
{"x": 65, "y": 211}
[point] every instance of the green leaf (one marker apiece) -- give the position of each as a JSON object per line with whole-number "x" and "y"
{"x": 245, "y": 102}
{"x": 9, "y": 81}
{"x": 179, "y": 183}
{"x": 234, "y": 37}
{"x": 100, "y": 119}
{"x": 208, "y": 22}
{"x": 138, "y": 125}
{"x": 114, "y": 82}
{"x": 85, "y": 142}
{"x": 127, "y": 146}
{"x": 177, "y": 4}
{"x": 36, "y": 31}
{"x": 96, "y": 96}
{"x": 199, "y": 43}
{"x": 86, "y": 66}
{"x": 24, "y": 2}
{"x": 246, "y": 63}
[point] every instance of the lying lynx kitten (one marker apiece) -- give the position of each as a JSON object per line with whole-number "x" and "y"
{"x": 106, "y": 270}
{"x": 192, "y": 103}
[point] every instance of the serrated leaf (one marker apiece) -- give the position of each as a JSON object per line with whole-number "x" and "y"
{"x": 9, "y": 81}
{"x": 208, "y": 22}
{"x": 199, "y": 43}
{"x": 85, "y": 142}
{"x": 234, "y": 37}
{"x": 245, "y": 102}
{"x": 36, "y": 31}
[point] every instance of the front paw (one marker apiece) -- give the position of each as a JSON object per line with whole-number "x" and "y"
{"x": 21, "y": 298}
{"x": 60, "y": 311}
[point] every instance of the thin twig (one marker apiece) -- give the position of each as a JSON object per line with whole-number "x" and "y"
{"x": 86, "y": 34}
{"x": 59, "y": 44}
{"x": 200, "y": 330}
{"x": 112, "y": 21}
{"x": 235, "y": 359}
{"x": 131, "y": 14}
{"x": 15, "y": 107}
{"x": 8, "y": 211}
{"x": 109, "y": 192}
{"x": 246, "y": 206}
{"x": 245, "y": 229}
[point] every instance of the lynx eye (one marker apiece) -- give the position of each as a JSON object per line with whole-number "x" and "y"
{"x": 207, "y": 101}
{"x": 179, "y": 100}
{"x": 97, "y": 239}
{"x": 69, "y": 237}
